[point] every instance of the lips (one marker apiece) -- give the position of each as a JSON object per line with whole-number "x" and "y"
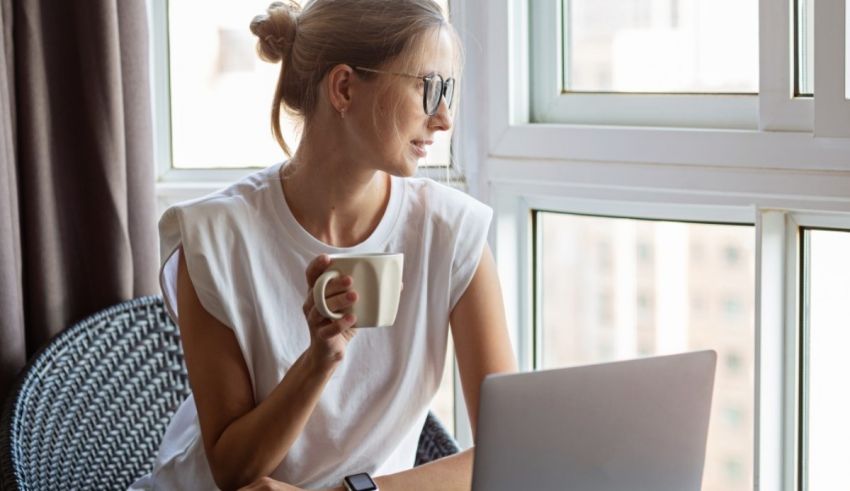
{"x": 420, "y": 147}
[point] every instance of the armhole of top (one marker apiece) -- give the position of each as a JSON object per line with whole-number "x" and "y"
{"x": 168, "y": 282}
{"x": 469, "y": 249}
{"x": 464, "y": 275}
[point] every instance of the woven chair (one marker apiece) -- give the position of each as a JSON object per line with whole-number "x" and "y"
{"x": 90, "y": 409}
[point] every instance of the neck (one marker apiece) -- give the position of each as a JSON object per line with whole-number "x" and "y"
{"x": 337, "y": 200}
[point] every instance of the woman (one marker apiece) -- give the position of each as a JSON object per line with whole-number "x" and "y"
{"x": 283, "y": 398}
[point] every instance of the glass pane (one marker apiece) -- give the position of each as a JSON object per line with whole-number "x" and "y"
{"x": 221, "y": 92}
{"x": 805, "y": 47}
{"x": 828, "y": 316}
{"x": 615, "y": 288}
{"x": 674, "y": 46}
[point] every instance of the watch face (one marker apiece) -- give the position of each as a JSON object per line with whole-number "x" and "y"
{"x": 360, "y": 482}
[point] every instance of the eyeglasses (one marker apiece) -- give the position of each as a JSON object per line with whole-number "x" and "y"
{"x": 436, "y": 87}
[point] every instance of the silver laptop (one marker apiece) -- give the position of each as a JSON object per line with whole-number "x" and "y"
{"x": 637, "y": 425}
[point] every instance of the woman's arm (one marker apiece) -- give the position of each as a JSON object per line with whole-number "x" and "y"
{"x": 243, "y": 441}
{"x": 482, "y": 347}
{"x": 480, "y": 334}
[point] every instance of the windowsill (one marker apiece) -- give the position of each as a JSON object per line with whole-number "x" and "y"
{"x": 788, "y": 150}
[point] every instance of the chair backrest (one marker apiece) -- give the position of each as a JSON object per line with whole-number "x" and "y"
{"x": 90, "y": 409}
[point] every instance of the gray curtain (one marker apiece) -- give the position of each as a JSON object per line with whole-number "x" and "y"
{"x": 77, "y": 209}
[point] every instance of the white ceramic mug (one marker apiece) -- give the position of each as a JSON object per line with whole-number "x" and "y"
{"x": 377, "y": 281}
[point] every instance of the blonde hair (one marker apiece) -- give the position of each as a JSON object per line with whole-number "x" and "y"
{"x": 368, "y": 33}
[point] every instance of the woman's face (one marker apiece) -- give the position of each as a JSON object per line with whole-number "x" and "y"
{"x": 404, "y": 132}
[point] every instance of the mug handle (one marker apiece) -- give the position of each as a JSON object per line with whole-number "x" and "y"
{"x": 319, "y": 295}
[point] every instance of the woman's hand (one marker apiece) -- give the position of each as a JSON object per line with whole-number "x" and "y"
{"x": 328, "y": 337}
{"x": 269, "y": 484}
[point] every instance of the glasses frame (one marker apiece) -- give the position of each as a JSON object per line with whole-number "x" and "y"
{"x": 427, "y": 79}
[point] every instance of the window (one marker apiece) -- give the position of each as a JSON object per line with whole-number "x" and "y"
{"x": 221, "y": 91}
{"x": 572, "y": 283}
{"x": 826, "y": 314}
{"x": 674, "y": 53}
{"x": 214, "y": 93}
{"x": 730, "y": 64}
{"x": 805, "y": 47}
{"x": 671, "y": 46}
{"x": 776, "y": 167}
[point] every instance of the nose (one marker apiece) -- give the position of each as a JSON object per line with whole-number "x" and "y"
{"x": 442, "y": 119}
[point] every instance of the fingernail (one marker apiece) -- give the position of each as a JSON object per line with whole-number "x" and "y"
{"x": 351, "y": 296}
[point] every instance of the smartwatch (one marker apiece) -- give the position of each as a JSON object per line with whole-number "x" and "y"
{"x": 359, "y": 482}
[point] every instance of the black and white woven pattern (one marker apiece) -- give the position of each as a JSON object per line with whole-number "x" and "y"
{"x": 434, "y": 442}
{"x": 90, "y": 409}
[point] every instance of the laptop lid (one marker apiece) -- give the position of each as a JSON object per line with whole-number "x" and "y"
{"x": 625, "y": 426}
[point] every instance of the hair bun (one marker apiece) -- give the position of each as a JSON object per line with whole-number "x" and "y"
{"x": 275, "y": 30}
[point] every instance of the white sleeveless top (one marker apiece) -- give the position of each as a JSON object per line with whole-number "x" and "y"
{"x": 246, "y": 255}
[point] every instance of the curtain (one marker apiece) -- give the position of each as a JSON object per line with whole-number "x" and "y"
{"x": 77, "y": 205}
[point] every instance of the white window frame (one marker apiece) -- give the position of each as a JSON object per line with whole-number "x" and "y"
{"x": 780, "y": 176}
{"x": 797, "y": 222}
{"x": 783, "y": 139}
{"x": 550, "y": 104}
{"x": 777, "y": 231}
{"x": 775, "y": 108}
{"x": 780, "y": 109}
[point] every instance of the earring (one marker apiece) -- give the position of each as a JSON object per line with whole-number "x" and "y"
{"x": 342, "y": 113}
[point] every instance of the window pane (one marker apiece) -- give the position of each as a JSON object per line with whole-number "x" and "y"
{"x": 828, "y": 315}
{"x": 615, "y": 288}
{"x": 805, "y": 47}
{"x": 221, "y": 92}
{"x": 684, "y": 46}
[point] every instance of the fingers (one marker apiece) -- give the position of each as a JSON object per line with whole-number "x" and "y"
{"x": 337, "y": 303}
{"x": 334, "y": 288}
{"x": 338, "y": 285}
{"x": 341, "y": 301}
{"x": 316, "y": 268}
{"x": 339, "y": 297}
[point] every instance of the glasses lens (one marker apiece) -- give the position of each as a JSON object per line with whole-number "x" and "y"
{"x": 433, "y": 91}
{"x": 450, "y": 91}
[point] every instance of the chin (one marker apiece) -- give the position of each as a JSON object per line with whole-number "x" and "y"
{"x": 401, "y": 170}
{"x": 406, "y": 167}
{"x": 410, "y": 170}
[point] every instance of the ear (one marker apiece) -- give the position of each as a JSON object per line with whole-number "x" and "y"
{"x": 339, "y": 86}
